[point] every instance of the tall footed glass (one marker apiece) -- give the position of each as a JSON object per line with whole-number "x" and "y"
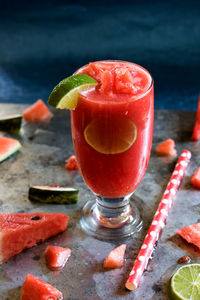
{"x": 112, "y": 129}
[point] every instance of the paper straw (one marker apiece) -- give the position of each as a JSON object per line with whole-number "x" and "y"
{"x": 158, "y": 222}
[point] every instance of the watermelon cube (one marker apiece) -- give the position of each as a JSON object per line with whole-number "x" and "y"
{"x": 124, "y": 81}
{"x": 36, "y": 289}
{"x": 71, "y": 164}
{"x": 195, "y": 180}
{"x": 106, "y": 83}
{"x": 191, "y": 234}
{"x": 115, "y": 258}
{"x": 167, "y": 147}
{"x": 56, "y": 257}
{"x": 38, "y": 112}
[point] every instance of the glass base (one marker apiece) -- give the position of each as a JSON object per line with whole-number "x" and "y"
{"x": 112, "y": 219}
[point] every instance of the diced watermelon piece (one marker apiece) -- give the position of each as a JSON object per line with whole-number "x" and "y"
{"x": 56, "y": 257}
{"x": 36, "y": 289}
{"x": 8, "y": 146}
{"x": 117, "y": 78}
{"x": 106, "y": 83}
{"x": 71, "y": 163}
{"x": 167, "y": 147}
{"x": 196, "y": 132}
{"x": 38, "y": 112}
{"x": 191, "y": 234}
{"x": 123, "y": 81}
{"x": 196, "y": 129}
{"x": 195, "y": 180}
{"x": 94, "y": 70}
{"x": 20, "y": 231}
{"x": 115, "y": 258}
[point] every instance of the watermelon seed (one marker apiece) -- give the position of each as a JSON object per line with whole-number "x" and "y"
{"x": 184, "y": 259}
{"x": 36, "y": 218}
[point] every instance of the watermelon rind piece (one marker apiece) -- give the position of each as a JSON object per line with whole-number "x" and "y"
{"x": 11, "y": 150}
{"x": 50, "y": 194}
{"x": 11, "y": 123}
{"x": 24, "y": 230}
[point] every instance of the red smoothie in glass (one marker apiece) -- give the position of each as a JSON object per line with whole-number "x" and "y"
{"x": 112, "y": 127}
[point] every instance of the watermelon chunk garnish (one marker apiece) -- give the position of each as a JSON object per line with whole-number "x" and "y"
{"x": 72, "y": 164}
{"x": 191, "y": 234}
{"x": 38, "y": 112}
{"x": 36, "y": 289}
{"x": 124, "y": 81}
{"x": 195, "y": 180}
{"x": 167, "y": 147}
{"x": 115, "y": 258}
{"x": 117, "y": 78}
{"x": 56, "y": 257}
{"x": 20, "y": 231}
{"x": 196, "y": 129}
{"x": 94, "y": 70}
{"x": 106, "y": 83}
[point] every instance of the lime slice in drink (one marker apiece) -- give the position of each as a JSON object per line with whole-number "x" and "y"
{"x": 65, "y": 94}
{"x": 111, "y": 136}
{"x": 185, "y": 283}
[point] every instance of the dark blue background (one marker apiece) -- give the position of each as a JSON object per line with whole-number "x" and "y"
{"x": 42, "y": 42}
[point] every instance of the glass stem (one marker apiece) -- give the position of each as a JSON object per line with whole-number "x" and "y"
{"x": 112, "y": 212}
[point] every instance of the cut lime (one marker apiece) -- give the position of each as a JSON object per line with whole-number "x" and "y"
{"x": 111, "y": 136}
{"x": 185, "y": 283}
{"x": 65, "y": 94}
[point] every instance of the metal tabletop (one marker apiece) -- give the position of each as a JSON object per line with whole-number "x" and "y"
{"x": 41, "y": 161}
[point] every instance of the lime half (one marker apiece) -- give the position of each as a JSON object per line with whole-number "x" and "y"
{"x": 185, "y": 283}
{"x": 65, "y": 94}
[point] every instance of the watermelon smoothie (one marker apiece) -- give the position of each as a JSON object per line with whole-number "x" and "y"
{"x": 113, "y": 165}
{"x": 112, "y": 129}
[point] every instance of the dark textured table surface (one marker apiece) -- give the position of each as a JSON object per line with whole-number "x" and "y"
{"x": 42, "y": 42}
{"x": 41, "y": 161}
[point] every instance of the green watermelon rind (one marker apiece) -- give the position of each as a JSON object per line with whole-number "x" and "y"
{"x": 11, "y": 151}
{"x": 58, "y": 195}
{"x": 11, "y": 123}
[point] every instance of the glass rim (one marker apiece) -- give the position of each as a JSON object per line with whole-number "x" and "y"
{"x": 141, "y": 95}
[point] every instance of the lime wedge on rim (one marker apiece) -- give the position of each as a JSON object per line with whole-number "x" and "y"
{"x": 185, "y": 283}
{"x": 65, "y": 94}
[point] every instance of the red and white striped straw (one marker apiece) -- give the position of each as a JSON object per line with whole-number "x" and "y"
{"x": 158, "y": 221}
